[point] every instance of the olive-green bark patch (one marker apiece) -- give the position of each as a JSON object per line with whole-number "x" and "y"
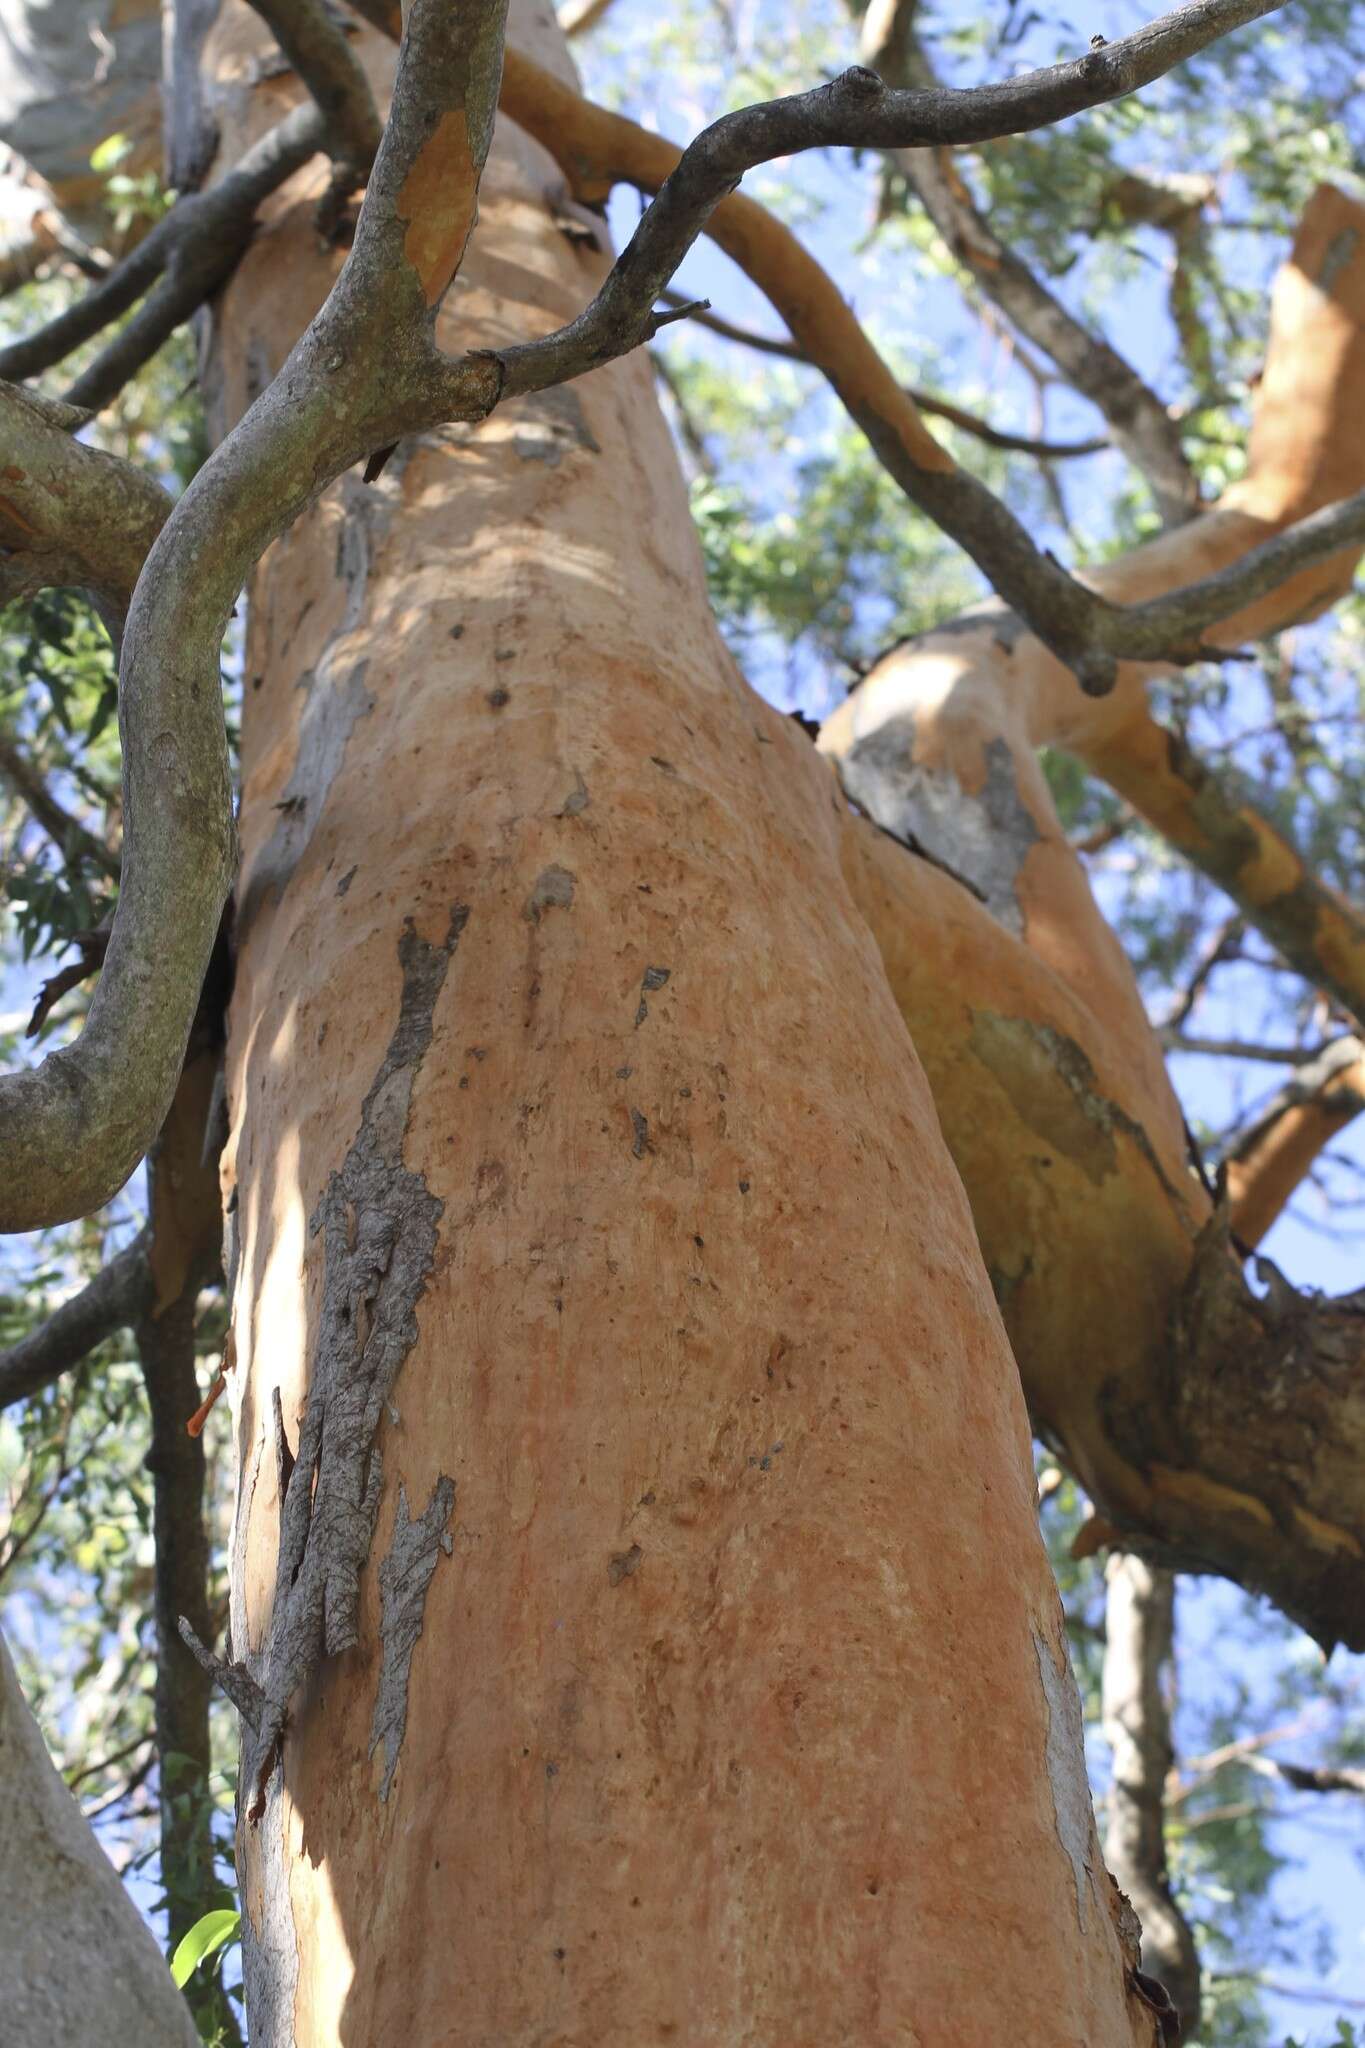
{"x": 1053, "y": 1089}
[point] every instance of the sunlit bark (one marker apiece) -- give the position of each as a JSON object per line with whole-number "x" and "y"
{"x": 740, "y": 1708}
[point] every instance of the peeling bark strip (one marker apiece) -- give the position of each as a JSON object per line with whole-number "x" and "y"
{"x": 404, "y": 1577}
{"x": 379, "y": 1231}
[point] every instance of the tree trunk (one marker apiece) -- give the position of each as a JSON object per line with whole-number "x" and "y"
{"x": 77, "y": 1962}
{"x": 710, "y": 1683}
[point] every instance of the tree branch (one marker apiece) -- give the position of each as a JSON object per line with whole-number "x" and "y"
{"x": 67, "y": 834}
{"x": 112, "y": 1301}
{"x": 928, "y": 403}
{"x": 1266, "y": 1162}
{"x": 1078, "y": 624}
{"x": 70, "y": 515}
{"x": 319, "y": 52}
{"x": 193, "y": 250}
{"x": 360, "y": 376}
{"x": 1138, "y": 420}
{"x": 185, "y": 1242}
{"x": 579, "y": 15}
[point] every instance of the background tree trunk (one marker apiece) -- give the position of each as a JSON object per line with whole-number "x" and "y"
{"x": 710, "y": 1682}
{"x": 77, "y": 1962}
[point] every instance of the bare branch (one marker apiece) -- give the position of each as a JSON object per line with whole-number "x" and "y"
{"x": 1225, "y": 945}
{"x": 1241, "y": 1049}
{"x": 1213, "y": 823}
{"x": 75, "y": 1128}
{"x": 579, "y": 15}
{"x": 596, "y": 149}
{"x": 1138, "y": 420}
{"x": 67, "y": 833}
{"x": 194, "y": 248}
{"x": 112, "y": 1301}
{"x": 93, "y": 946}
{"x": 324, "y": 60}
{"x": 1309, "y": 1777}
{"x": 928, "y": 403}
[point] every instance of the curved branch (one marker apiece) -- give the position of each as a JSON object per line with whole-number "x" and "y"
{"x": 596, "y": 149}
{"x": 70, "y": 515}
{"x": 74, "y": 1128}
{"x": 1266, "y": 1162}
{"x": 324, "y": 60}
{"x": 114, "y": 1300}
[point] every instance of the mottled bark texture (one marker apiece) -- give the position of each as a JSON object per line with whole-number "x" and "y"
{"x": 1218, "y": 1426}
{"x": 697, "y": 1372}
{"x": 77, "y": 1962}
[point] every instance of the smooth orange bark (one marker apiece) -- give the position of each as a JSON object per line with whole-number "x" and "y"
{"x": 740, "y": 1711}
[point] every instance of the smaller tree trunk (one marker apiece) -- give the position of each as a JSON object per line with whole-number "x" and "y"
{"x": 186, "y": 1237}
{"x": 1140, "y": 1622}
{"x": 77, "y": 1963}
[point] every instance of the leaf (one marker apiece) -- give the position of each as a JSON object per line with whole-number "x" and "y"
{"x": 111, "y": 151}
{"x": 204, "y": 1937}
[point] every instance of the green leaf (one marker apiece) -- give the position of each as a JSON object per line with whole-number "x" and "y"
{"x": 111, "y": 151}
{"x": 204, "y": 1937}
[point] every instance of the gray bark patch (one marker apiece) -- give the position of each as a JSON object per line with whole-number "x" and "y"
{"x": 336, "y": 697}
{"x": 983, "y": 839}
{"x": 623, "y": 1564}
{"x": 333, "y": 708}
{"x": 404, "y": 1576}
{"x": 1066, "y": 1770}
{"x": 653, "y": 979}
{"x": 378, "y": 1223}
{"x": 1055, "y": 1091}
{"x": 553, "y": 891}
{"x": 1340, "y": 250}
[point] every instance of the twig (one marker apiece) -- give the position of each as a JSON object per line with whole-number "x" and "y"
{"x": 93, "y": 946}
{"x": 928, "y": 402}
{"x": 1226, "y": 945}
{"x": 1240, "y": 1049}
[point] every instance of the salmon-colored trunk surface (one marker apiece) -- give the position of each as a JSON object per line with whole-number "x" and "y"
{"x": 740, "y": 1709}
